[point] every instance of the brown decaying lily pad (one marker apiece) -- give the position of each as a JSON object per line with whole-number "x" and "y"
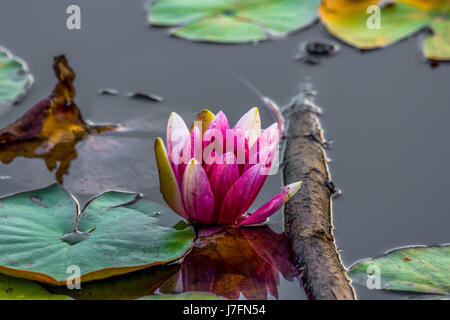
{"x": 51, "y": 129}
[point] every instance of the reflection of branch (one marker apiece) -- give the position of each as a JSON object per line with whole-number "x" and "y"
{"x": 308, "y": 214}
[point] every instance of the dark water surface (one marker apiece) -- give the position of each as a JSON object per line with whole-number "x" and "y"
{"x": 387, "y": 112}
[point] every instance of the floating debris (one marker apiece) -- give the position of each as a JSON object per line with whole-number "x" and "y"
{"x": 311, "y": 51}
{"x": 144, "y": 96}
{"x": 108, "y": 91}
{"x": 51, "y": 129}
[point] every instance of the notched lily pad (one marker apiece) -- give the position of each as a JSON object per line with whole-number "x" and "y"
{"x": 122, "y": 234}
{"x": 233, "y": 21}
{"x": 349, "y": 20}
{"x": 415, "y": 269}
{"x": 15, "y": 79}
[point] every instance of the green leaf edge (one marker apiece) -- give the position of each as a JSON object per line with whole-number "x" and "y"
{"x": 25, "y": 68}
{"x": 173, "y": 29}
{"x": 90, "y": 276}
{"x": 363, "y": 261}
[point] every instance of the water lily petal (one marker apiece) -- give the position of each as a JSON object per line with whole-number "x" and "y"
{"x": 273, "y": 205}
{"x": 203, "y": 120}
{"x": 220, "y": 122}
{"x": 251, "y": 123}
{"x": 265, "y": 147}
{"x": 221, "y": 177}
{"x": 196, "y": 192}
{"x": 167, "y": 180}
{"x": 241, "y": 195}
{"x": 209, "y": 231}
{"x": 239, "y": 145}
{"x": 177, "y": 146}
{"x": 196, "y": 144}
{"x": 217, "y": 130}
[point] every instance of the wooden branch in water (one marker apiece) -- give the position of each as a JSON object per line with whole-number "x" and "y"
{"x": 308, "y": 217}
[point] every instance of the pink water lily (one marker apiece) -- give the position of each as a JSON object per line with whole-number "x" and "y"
{"x": 211, "y": 174}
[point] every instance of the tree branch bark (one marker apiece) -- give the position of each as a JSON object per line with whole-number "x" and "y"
{"x": 308, "y": 215}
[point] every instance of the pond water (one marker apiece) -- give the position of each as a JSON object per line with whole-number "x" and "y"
{"x": 386, "y": 111}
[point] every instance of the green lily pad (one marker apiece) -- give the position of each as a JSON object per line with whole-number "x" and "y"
{"x": 14, "y": 78}
{"x": 399, "y": 19}
{"x": 233, "y": 21}
{"x": 43, "y": 232}
{"x": 22, "y": 289}
{"x": 416, "y": 269}
{"x": 185, "y": 296}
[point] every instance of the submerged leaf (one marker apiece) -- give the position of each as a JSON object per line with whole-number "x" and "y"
{"x": 120, "y": 232}
{"x": 233, "y": 20}
{"x": 416, "y": 269}
{"x": 357, "y": 23}
{"x": 51, "y": 129}
{"x": 185, "y": 296}
{"x": 125, "y": 287}
{"x": 22, "y": 289}
{"x": 15, "y": 79}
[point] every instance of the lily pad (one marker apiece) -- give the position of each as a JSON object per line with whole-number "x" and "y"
{"x": 416, "y": 269}
{"x": 348, "y": 20}
{"x": 43, "y": 232}
{"x": 233, "y": 21}
{"x": 185, "y": 296}
{"x": 22, "y": 289}
{"x": 14, "y": 78}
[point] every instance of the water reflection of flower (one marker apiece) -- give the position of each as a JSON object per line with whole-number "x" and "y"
{"x": 236, "y": 261}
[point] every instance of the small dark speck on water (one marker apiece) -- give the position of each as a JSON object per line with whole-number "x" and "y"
{"x": 322, "y": 48}
{"x": 434, "y": 64}
{"x": 311, "y": 51}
